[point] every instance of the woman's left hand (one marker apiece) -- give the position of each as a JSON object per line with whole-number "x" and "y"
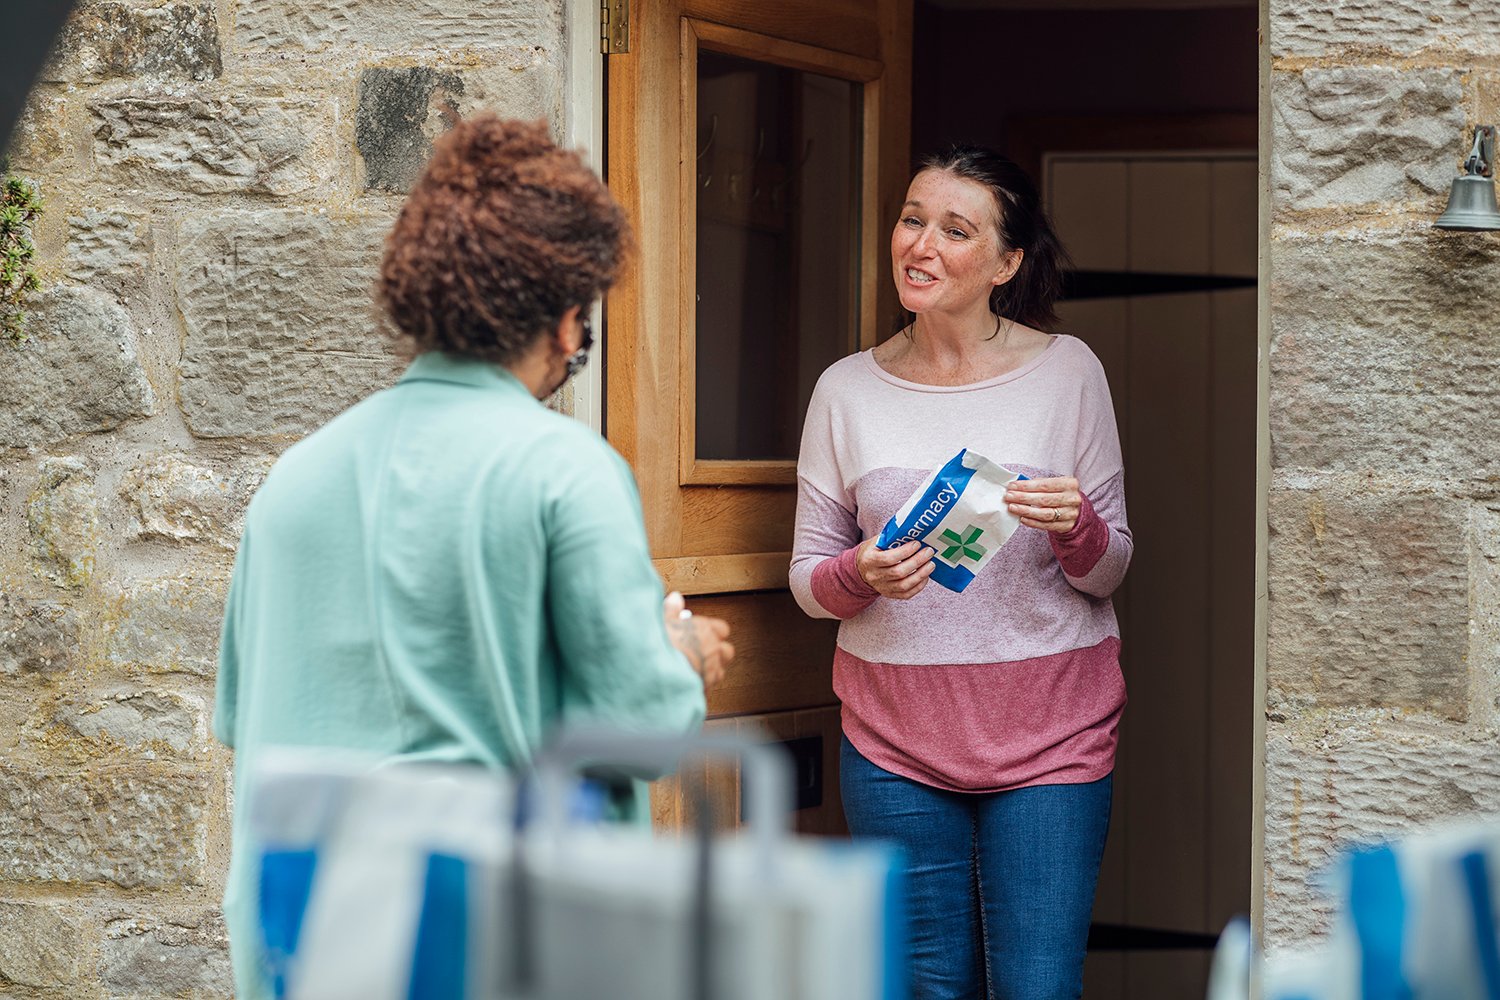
{"x": 1048, "y": 504}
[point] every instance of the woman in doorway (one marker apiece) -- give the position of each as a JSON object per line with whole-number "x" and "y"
{"x": 979, "y": 727}
{"x": 449, "y": 570}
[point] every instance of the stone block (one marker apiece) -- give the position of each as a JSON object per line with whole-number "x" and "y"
{"x": 146, "y": 723}
{"x": 1487, "y": 97}
{"x": 1363, "y": 135}
{"x": 401, "y": 110}
{"x": 135, "y": 831}
{"x": 526, "y": 84}
{"x": 110, "y": 38}
{"x": 44, "y": 946}
{"x": 1315, "y": 27}
{"x": 173, "y": 499}
{"x": 1484, "y": 638}
{"x": 167, "y": 625}
{"x": 37, "y": 638}
{"x": 1347, "y": 780}
{"x": 564, "y": 400}
{"x": 108, "y": 248}
{"x": 251, "y": 370}
{"x": 1369, "y": 599}
{"x": 215, "y": 145}
{"x": 182, "y": 954}
{"x": 40, "y": 143}
{"x": 76, "y": 373}
{"x": 62, "y": 514}
{"x": 397, "y": 25}
{"x": 1383, "y": 354}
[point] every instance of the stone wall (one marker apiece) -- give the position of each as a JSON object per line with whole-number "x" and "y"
{"x": 219, "y": 175}
{"x": 1383, "y": 672}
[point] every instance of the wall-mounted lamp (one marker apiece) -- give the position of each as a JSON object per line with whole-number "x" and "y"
{"x": 1471, "y": 203}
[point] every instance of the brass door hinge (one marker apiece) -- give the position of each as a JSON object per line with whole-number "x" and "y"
{"x": 614, "y": 26}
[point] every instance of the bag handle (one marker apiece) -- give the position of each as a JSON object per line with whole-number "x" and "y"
{"x": 768, "y": 773}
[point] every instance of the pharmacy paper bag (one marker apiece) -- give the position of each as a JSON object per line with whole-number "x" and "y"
{"x": 960, "y": 513}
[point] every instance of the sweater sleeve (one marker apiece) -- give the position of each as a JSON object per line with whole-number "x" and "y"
{"x": 605, "y": 599}
{"x": 1096, "y": 552}
{"x": 824, "y": 578}
{"x": 826, "y": 540}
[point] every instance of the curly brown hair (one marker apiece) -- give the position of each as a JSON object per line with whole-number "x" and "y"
{"x": 501, "y": 235}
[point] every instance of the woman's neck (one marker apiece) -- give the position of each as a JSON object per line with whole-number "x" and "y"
{"x": 948, "y": 351}
{"x": 949, "y": 341}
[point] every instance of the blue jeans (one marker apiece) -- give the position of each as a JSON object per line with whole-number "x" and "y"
{"x": 1001, "y": 884}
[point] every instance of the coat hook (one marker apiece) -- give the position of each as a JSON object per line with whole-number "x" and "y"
{"x": 806, "y": 155}
{"x": 713, "y": 132}
{"x": 782, "y": 185}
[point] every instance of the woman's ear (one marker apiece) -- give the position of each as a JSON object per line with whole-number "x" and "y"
{"x": 1009, "y": 265}
{"x": 568, "y": 337}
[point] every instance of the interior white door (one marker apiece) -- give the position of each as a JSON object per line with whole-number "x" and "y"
{"x": 1164, "y": 247}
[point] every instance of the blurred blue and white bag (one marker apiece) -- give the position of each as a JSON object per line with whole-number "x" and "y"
{"x": 375, "y": 879}
{"x": 961, "y": 514}
{"x": 405, "y": 881}
{"x": 1418, "y": 919}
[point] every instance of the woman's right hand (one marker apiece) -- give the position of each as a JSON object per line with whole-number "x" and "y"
{"x": 702, "y": 640}
{"x": 899, "y": 573}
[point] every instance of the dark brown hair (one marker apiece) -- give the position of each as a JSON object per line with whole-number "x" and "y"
{"x": 1029, "y": 296}
{"x": 501, "y": 235}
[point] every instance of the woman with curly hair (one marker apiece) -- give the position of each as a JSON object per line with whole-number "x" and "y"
{"x": 448, "y": 569}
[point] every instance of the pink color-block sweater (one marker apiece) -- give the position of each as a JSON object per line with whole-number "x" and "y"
{"x": 1016, "y": 681}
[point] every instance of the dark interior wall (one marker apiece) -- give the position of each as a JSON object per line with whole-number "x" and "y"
{"x": 973, "y": 71}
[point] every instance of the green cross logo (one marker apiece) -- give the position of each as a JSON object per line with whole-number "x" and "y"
{"x": 961, "y": 547}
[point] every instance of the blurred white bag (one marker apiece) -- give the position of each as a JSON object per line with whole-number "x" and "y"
{"x": 401, "y": 882}
{"x": 1417, "y": 919}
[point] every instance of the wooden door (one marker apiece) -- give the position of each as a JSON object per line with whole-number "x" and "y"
{"x": 760, "y": 150}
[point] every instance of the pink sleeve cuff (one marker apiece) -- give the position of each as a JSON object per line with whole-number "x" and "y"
{"x": 1080, "y": 549}
{"x": 838, "y": 587}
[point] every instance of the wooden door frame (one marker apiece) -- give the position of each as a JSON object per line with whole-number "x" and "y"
{"x": 583, "y": 130}
{"x": 1262, "y": 478}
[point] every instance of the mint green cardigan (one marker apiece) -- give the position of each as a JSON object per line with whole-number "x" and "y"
{"x": 444, "y": 572}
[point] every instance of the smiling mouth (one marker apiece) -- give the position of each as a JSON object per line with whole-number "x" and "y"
{"x": 919, "y": 277}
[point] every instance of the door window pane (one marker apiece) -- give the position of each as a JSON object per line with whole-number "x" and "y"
{"x": 778, "y": 185}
